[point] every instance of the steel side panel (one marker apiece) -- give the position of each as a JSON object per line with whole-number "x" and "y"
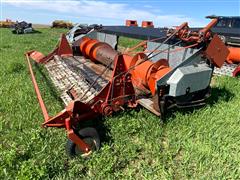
{"x": 194, "y": 59}
{"x": 192, "y": 78}
{"x": 175, "y": 58}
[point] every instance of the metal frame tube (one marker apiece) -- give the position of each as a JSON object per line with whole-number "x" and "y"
{"x": 36, "y": 88}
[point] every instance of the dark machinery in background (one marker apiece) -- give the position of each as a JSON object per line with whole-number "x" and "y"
{"x": 22, "y": 27}
{"x": 228, "y": 29}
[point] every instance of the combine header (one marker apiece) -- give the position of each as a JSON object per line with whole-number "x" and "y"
{"x": 95, "y": 80}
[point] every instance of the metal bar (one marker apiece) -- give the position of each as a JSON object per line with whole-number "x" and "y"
{"x": 209, "y": 26}
{"x": 35, "y": 85}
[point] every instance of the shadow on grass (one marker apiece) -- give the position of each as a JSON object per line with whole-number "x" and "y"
{"x": 217, "y": 94}
{"x": 103, "y": 130}
{"x": 36, "y": 32}
{"x": 33, "y": 32}
{"x": 98, "y": 124}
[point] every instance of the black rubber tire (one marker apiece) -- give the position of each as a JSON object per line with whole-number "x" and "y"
{"x": 88, "y": 135}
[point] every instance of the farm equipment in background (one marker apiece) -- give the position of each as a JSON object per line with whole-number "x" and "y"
{"x": 61, "y": 24}
{"x": 6, "y": 24}
{"x": 131, "y": 23}
{"x": 80, "y": 30}
{"x": 228, "y": 29}
{"x": 147, "y": 24}
{"x": 95, "y": 80}
{"x": 22, "y": 27}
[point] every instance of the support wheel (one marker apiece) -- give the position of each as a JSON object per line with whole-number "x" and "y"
{"x": 88, "y": 135}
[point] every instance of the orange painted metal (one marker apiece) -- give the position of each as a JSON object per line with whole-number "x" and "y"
{"x": 147, "y": 73}
{"x": 63, "y": 49}
{"x": 131, "y": 23}
{"x": 190, "y": 36}
{"x": 236, "y": 72}
{"x": 83, "y": 45}
{"x": 97, "y": 51}
{"x": 97, "y": 47}
{"x": 206, "y": 29}
{"x": 144, "y": 73}
{"x": 131, "y": 61}
{"x": 80, "y": 143}
{"x": 89, "y": 45}
{"x": 160, "y": 69}
{"x": 147, "y": 24}
{"x": 70, "y": 115}
{"x": 234, "y": 55}
{"x": 217, "y": 51}
{"x": 35, "y": 85}
{"x": 128, "y": 71}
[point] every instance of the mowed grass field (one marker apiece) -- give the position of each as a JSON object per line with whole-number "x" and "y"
{"x": 198, "y": 144}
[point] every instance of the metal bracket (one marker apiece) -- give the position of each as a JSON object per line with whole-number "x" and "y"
{"x": 63, "y": 49}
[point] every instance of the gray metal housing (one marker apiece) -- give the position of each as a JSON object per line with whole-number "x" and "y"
{"x": 175, "y": 58}
{"x": 110, "y": 39}
{"x": 190, "y": 72}
{"x": 188, "y": 79}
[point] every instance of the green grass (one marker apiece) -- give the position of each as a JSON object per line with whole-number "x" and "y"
{"x": 128, "y": 43}
{"x": 201, "y": 144}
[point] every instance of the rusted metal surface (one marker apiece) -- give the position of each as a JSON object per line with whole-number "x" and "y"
{"x": 63, "y": 49}
{"x": 106, "y": 55}
{"x": 185, "y": 34}
{"x": 148, "y": 103}
{"x": 217, "y": 51}
{"x": 69, "y": 118}
{"x": 35, "y": 85}
{"x": 92, "y": 95}
{"x": 207, "y": 28}
{"x": 131, "y": 23}
{"x": 236, "y": 72}
{"x": 147, "y": 24}
{"x": 98, "y": 51}
{"x": 76, "y": 74}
